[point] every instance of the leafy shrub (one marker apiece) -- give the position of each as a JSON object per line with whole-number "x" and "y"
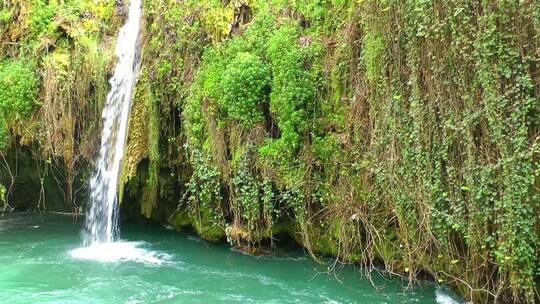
{"x": 292, "y": 89}
{"x": 42, "y": 16}
{"x": 244, "y": 84}
{"x": 18, "y": 87}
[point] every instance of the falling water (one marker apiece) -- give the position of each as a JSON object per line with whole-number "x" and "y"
{"x": 102, "y": 216}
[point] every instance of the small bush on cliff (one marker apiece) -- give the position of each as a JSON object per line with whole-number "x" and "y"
{"x": 292, "y": 90}
{"x": 42, "y": 17}
{"x": 18, "y": 87}
{"x": 244, "y": 84}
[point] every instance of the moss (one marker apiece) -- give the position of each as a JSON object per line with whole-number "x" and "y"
{"x": 137, "y": 142}
{"x": 323, "y": 244}
{"x": 212, "y": 233}
{"x": 179, "y": 219}
{"x": 206, "y": 226}
{"x": 324, "y": 237}
{"x": 148, "y": 199}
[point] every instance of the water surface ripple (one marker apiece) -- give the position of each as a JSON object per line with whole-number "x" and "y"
{"x": 42, "y": 262}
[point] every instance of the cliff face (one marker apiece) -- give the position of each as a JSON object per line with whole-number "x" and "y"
{"x": 54, "y": 64}
{"x": 404, "y": 132}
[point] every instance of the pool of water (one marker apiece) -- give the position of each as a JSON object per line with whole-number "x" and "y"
{"x": 41, "y": 262}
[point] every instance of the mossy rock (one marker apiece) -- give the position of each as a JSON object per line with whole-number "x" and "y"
{"x": 211, "y": 233}
{"x": 179, "y": 219}
{"x": 208, "y": 223}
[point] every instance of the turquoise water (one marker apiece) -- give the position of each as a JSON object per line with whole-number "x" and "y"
{"x": 41, "y": 262}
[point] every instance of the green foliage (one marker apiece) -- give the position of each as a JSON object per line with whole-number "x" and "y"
{"x": 266, "y": 69}
{"x": 3, "y": 192}
{"x": 292, "y": 91}
{"x": 373, "y": 55}
{"x": 37, "y": 26}
{"x": 319, "y": 15}
{"x": 4, "y": 132}
{"x": 430, "y": 108}
{"x": 244, "y": 85}
{"x": 5, "y": 15}
{"x": 247, "y": 194}
{"x": 459, "y": 115}
{"x": 42, "y": 17}
{"x": 203, "y": 194}
{"x": 405, "y": 131}
{"x": 18, "y": 87}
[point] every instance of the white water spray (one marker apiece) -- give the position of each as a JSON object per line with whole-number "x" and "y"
{"x": 102, "y": 216}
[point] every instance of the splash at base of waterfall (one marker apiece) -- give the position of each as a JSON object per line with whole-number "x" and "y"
{"x": 120, "y": 252}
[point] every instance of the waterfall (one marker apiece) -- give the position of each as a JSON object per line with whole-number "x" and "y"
{"x": 101, "y": 224}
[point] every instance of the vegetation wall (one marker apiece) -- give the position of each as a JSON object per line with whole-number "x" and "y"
{"x": 405, "y": 132}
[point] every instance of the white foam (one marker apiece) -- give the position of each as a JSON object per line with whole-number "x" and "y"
{"x": 442, "y": 298}
{"x": 119, "y": 252}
